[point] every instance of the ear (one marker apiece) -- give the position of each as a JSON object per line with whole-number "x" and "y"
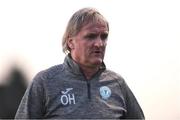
{"x": 70, "y": 43}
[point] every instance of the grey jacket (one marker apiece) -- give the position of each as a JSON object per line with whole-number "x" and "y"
{"x": 62, "y": 91}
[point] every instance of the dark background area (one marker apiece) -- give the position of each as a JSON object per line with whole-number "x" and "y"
{"x": 11, "y": 93}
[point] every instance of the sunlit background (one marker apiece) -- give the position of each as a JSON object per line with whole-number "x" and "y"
{"x": 143, "y": 45}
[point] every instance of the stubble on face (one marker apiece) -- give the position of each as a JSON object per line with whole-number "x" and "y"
{"x": 89, "y": 49}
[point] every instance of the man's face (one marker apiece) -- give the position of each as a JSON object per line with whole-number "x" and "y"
{"x": 88, "y": 46}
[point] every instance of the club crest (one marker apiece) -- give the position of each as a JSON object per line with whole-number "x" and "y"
{"x": 105, "y": 92}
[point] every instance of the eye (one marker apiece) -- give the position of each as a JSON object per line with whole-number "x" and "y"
{"x": 104, "y": 36}
{"x": 91, "y": 36}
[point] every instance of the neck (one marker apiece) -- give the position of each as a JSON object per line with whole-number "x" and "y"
{"x": 89, "y": 71}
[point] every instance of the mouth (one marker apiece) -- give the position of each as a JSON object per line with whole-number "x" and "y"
{"x": 98, "y": 53}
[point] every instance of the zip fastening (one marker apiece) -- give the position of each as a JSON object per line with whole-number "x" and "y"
{"x": 88, "y": 86}
{"x": 89, "y": 89}
{"x": 88, "y": 83}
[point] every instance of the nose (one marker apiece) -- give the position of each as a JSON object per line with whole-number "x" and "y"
{"x": 99, "y": 42}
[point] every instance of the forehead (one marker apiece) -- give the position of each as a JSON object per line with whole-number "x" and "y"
{"x": 95, "y": 27}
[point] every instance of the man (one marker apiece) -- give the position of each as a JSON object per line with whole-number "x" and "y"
{"x": 81, "y": 87}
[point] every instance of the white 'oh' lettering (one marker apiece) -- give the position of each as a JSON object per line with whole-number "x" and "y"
{"x": 67, "y": 98}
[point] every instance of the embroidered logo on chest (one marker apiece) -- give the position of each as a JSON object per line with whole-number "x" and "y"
{"x": 105, "y": 92}
{"x": 67, "y": 97}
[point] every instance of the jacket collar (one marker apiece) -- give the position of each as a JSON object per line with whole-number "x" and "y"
{"x": 73, "y": 67}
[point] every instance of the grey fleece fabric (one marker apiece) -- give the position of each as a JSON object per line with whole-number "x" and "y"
{"x": 62, "y": 92}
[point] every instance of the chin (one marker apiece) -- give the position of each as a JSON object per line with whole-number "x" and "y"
{"x": 98, "y": 61}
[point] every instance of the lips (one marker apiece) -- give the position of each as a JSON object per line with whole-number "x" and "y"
{"x": 98, "y": 53}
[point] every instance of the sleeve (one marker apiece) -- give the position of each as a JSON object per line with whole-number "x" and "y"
{"x": 133, "y": 108}
{"x": 32, "y": 103}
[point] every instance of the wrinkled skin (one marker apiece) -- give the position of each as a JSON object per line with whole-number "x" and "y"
{"x": 88, "y": 46}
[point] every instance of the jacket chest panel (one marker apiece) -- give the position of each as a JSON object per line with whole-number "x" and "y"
{"x": 71, "y": 98}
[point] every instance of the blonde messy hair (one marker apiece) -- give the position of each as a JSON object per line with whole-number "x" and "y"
{"x": 79, "y": 19}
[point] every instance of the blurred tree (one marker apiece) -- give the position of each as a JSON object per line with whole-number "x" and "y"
{"x": 11, "y": 93}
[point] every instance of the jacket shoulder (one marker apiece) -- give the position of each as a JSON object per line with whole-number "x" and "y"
{"x": 111, "y": 75}
{"x": 49, "y": 73}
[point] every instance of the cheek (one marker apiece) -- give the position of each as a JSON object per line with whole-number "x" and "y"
{"x": 86, "y": 46}
{"x": 105, "y": 43}
{"x": 82, "y": 49}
